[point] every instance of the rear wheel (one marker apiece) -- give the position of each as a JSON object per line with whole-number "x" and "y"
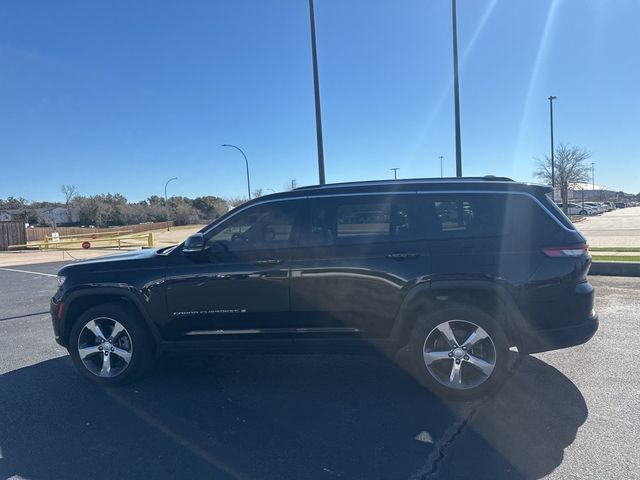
{"x": 110, "y": 345}
{"x": 583, "y": 212}
{"x": 459, "y": 353}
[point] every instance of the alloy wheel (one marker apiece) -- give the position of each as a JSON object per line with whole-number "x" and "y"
{"x": 105, "y": 347}
{"x": 459, "y": 354}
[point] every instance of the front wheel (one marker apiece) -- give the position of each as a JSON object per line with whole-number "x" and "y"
{"x": 110, "y": 345}
{"x": 583, "y": 212}
{"x": 459, "y": 353}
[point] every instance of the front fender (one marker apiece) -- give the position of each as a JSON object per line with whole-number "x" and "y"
{"x": 94, "y": 295}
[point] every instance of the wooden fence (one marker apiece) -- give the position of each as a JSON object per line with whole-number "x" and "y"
{"x": 37, "y": 234}
{"x": 12, "y": 233}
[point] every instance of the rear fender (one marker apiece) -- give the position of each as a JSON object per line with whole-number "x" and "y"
{"x": 488, "y": 295}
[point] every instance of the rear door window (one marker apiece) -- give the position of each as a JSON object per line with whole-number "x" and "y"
{"x": 353, "y": 220}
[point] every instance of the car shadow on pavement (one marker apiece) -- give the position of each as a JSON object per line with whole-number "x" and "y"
{"x": 522, "y": 432}
{"x": 280, "y": 417}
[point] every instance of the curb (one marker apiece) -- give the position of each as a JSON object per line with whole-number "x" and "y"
{"x": 615, "y": 269}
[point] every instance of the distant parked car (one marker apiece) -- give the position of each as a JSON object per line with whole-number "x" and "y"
{"x": 575, "y": 209}
{"x": 620, "y": 205}
{"x": 598, "y": 207}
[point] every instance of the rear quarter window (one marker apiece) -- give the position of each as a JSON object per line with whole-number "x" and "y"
{"x": 515, "y": 217}
{"x": 556, "y": 211}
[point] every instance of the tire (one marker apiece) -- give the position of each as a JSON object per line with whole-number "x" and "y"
{"x": 483, "y": 364}
{"x": 583, "y": 212}
{"x": 111, "y": 361}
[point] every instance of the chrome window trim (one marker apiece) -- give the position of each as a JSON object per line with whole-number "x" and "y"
{"x": 430, "y": 192}
{"x": 526, "y": 194}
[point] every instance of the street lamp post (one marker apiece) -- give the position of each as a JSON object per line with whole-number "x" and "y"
{"x": 593, "y": 182}
{"x": 441, "y": 157}
{"x": 395, "y": 174}
{"x": 316, "y": 93}
{"x": 456, "y": 89}
{"x": 246, "y": 162}
{"x": 166, "y": 200}
{"x": 553, "y": 165}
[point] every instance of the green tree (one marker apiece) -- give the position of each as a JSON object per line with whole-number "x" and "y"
{"x": 210, "y": 207}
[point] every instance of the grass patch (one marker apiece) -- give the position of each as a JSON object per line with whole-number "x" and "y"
{"x": 614, "y": 249}
{"x": 616, "y": 258}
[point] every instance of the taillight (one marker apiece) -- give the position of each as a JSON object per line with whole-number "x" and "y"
{"x": 567, "y": 251}
{"x": 59, "y": 309}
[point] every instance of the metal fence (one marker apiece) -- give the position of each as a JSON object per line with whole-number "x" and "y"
{"x": 11, "y": 233}
{"x": 38, "y": 234}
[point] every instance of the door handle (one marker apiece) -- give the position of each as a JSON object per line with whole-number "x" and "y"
{"x": 402, "y": 255}
{"x": 268, "y": 261}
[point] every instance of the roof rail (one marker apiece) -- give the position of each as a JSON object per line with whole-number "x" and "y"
{"x": 488, "y": 178}
{"x": 497, "y": 179}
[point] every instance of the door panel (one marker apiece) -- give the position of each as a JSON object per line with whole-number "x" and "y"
{"x": 240, "y": 285}
{"x": 356, "y": 261}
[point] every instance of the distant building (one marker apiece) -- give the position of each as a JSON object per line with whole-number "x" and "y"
{"x": 588, "y": 192}
{"x": 52, "y": 215}
{"x": 12, "y": 214}
{"x": 57, "y": 215}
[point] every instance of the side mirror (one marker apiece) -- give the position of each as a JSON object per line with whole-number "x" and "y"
{"x": 194, "y": 243}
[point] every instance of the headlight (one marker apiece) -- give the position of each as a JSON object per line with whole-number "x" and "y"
{"x": 61, "y": 279}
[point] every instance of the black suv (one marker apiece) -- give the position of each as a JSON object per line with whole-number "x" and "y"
{"x": 450, "y": 273}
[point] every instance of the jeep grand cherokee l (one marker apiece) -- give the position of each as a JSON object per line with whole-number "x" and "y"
{"x": 451, "y": 272}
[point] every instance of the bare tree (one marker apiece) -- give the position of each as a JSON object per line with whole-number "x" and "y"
{"x": 290, "y": 186}
{"x": 569, "y": 168}
{"x": 234, "y": 202}
{"x": 69, "y": 192}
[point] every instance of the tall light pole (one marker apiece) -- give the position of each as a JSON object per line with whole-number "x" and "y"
{"x": 553, "y": 164}
{"x": 166, "y": 200}
{"x": 456, "y": 89}
{"x": 441, "y": 157}
{"x": 316, "y": 92}
{"x": 246, "y": 162}
{"x": 593, "y": 183}
{"x": 395, "y": 174}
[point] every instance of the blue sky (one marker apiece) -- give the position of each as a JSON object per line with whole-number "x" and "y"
{"x": 120, "y": 96}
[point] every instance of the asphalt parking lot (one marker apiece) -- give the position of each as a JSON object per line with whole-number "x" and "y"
{"x": 568, "y": 414}
{"x": 619, "y": 228}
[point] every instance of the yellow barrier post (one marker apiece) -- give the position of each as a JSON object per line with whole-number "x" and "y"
{"x": 150, "y": 239}
{"x": 46, "y": 243}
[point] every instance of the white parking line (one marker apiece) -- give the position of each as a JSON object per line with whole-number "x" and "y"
{"x": 28, "y": 271}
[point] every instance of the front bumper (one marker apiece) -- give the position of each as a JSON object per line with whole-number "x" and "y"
{"x": 536, "y": 341}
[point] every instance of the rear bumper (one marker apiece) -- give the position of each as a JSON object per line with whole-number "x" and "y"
{"x": 536, "y": 341}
